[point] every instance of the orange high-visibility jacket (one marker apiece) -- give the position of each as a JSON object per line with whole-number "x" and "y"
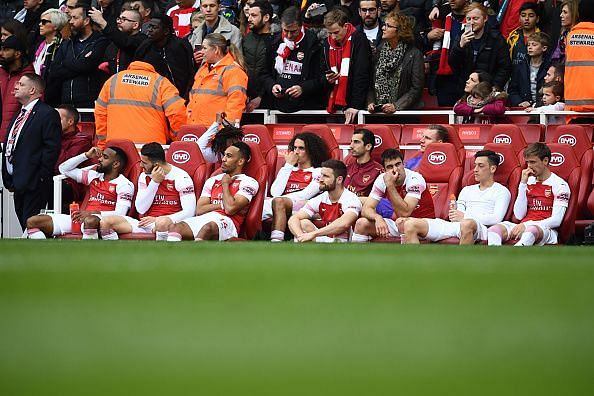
{"x": 223, "y": 88}
{"x": 579, "y": 68}
{"x": 139, "y": 104}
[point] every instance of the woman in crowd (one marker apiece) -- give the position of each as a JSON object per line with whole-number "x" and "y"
{"x": 569, "y": 18}
{"x": 398, "y": 76}
{"x": 220, "y": 84}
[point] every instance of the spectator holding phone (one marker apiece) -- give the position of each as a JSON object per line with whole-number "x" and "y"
{"x": 295, "y": 77}
{"x": 398, "y": 74}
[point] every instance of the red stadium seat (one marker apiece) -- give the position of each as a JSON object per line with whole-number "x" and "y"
{"x": 509, "y": 134}
{"x": 187, "y": 156}
{"x": 384, "y": 139}
{"x": 442, "y": 171}
{"x": 532, "y": 132}
{"x": 552, "y": 127}
{"x": 412, "y": 133}
{"x": 327, "y": 136}
{"x": 283, "y": 133}
{"x": 565, "y": 164}
{"x": 576, "y": 137}
{"x": 342, "y": 132}
{"x": 474, "y": 134}
{"x": 508, "y": 174}
{"x": 260, "y": 135}
{"x": 190, "y": 133}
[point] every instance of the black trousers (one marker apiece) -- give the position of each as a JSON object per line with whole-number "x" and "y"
{"x": 28, "y": 203}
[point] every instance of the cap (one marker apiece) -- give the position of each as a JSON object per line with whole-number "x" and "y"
{"x": 14, "y": 43}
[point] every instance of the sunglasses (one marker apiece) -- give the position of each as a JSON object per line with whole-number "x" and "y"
{"x": 44, "y": 21}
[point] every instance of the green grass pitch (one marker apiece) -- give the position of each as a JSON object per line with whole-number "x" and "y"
{"x": 138, "y": 318}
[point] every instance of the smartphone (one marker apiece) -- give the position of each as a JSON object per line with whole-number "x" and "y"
{"x": 467, "y": 27}
{"x": 198, "y": 47}
{"x": 328, "y": 71}
{"x": 321, "y": 10}
{"x": 377, "y": 108}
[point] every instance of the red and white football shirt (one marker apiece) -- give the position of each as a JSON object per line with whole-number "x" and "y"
{"x": 243, "y": 185}
{"x": 105, "y": 194}
{"x": 414, "y": 186}
{"x": 330, "y": 211}
{"x": 167, "y": 199}
{"x": 542, "y": 196}
{"x": 182, "y": 19}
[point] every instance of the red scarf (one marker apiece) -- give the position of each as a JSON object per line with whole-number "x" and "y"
{"x": 339, "y": 58}
{"x": 284, "y": 50}
{"x": 444, "y": 68}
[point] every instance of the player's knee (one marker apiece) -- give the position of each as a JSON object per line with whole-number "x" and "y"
{"x": 106, "y": 223}
{"x": 468, "y": 226}
{"x": 174, "y": 227}
{"x": 34, "y": 221}
{"x": 411, "y": 226}
{"x": 278, "y": 204}
{"x": 92, "y": 222}
{"x": 361, "y": 225}
{"x": 209, "y": 229}
{"x": 162, "y": 223}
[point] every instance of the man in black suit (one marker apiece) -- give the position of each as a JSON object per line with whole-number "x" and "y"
{"x": 31, "y": 149}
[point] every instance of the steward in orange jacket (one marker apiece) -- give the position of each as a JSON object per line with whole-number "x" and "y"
{"x": 218, "y": 88}
{"x": 139, "y": 104}
{"x": 579, "y": 65}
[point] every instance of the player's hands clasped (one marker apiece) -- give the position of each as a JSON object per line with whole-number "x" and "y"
{"x": 517, "y": 231}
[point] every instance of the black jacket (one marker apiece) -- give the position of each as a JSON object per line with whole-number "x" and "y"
{"x": 359, "y": 70}
{"x": 53, "y": 87}
{"x": 78, "y": 73}
{"x": 256, "y": 49}
{"x": 125, "y": 43}
{"x": 411, "y": 83}
{"x": 36, "y": 151}
{"x": 311, "y": 79}
{"x": 175, "y": 61}
{"x": 493, "y": 57}
{"x": 519, "y": 86}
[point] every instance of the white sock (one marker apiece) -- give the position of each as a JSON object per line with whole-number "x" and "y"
{"x": 277, "y": 236}
{"x": 172, "y": 237}
{"x": 493, "y": 239}
{"x": 109, "y": 235}
{"x": 527, "y": 239}
{"x": 358, "y": 238}
{"x": 162, "y": 236}
{"x": 90, "y": 234}
{"x": 35, "y": 233}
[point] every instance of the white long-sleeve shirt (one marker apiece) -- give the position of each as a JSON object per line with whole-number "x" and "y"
{"x": 296, "y": 184}
{"x": 487, "y": 206}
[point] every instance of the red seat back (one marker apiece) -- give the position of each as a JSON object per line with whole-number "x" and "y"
{"x": 532, "y": 132}
{"x": 508, "y": 174}
{"x": 190, "y": 133}
{"x": 258, "y": 169}
{"x": 412, "y": 133}
{"x": 577, "y": 137}
{"x": 384, "y": 139}
{"x": 260, "y": 135}
{"x": 565, "y": 164}
{"x": 442, "y": 171}
{"x": 324, "y": 132}
{"x": 187, "y": 156}
{"x": 133, "y": 168}
{"x": 508, "y": 134}
{"x": 283, "y": 133}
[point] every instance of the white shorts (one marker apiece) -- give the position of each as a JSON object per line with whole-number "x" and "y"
{"x": 392, "y": 228}
{"x": 549, "y": 236}
{"x": 149, "y": 229}
{"x": 63, "y": 223}
{"x": 267, "y": 209}
{"x": 226, "y": 226}
{"x": 440, "y": 229}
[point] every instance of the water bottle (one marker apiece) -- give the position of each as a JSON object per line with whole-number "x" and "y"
{"x": 74, "y": 209}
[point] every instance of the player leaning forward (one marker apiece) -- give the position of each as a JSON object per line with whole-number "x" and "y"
{"x": 543, "y": 198}
{"x": 337, "y": 207}
{"x": 478, "y": 206}
{"x": 165, "y": 196}
{"x": 224, "y": 201}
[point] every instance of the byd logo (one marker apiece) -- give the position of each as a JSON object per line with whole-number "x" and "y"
{"x": 501, "y": 159}
{"x": 180, "y": 157}
{"x": 190, "y": 137}
{"x": 502, "y": 138}
{"x": 437, "y": 158}
{"x": 557, "y": 159}
{"x": 378, "y": 141}
{"x": 251, "y": 138}
{"x": 567, "y": 139}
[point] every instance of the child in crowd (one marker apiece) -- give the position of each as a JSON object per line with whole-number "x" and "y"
{"x": 552, "y": 94}
{"x": 528, "y": 76}
{"x": 483, "y": 105}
